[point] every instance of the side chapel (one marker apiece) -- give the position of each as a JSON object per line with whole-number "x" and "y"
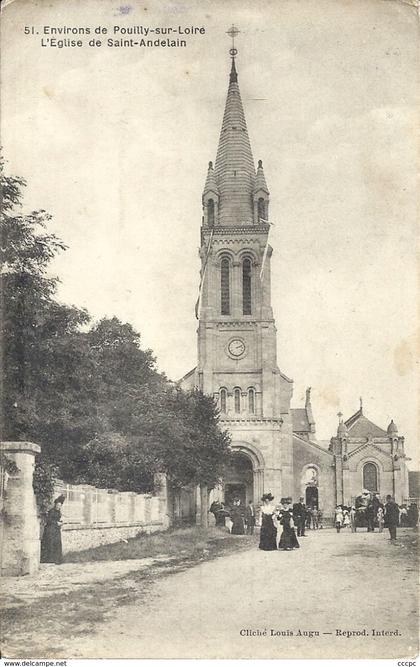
{"x": 275, "y": 444}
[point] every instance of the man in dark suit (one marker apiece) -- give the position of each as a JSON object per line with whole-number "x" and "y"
{"x": 250, "y": 518}
{"x": 392, "y": 517}
{"x": 299, "y": 517}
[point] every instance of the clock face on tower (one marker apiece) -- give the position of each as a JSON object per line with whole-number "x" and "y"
{"x": 236, "y": 348}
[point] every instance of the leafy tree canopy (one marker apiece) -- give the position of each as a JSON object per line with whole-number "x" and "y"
{"x": 92, "y": 398}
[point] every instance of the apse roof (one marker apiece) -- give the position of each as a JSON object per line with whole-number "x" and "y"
{"x": 359, "y": 426}
{"x": 300, "y": 420}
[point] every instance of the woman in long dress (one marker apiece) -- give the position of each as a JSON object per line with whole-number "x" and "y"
{"x": 237, "y": 516}
{"x": 51, "y": 548}
{"x": 268, "y": 531}
{"x": 288, "y": 539}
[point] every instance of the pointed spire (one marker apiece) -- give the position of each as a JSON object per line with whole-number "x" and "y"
{"x": 234, "y": 168}
{"x": 233, "y": 73}
{"x": 260, "y": 182}
{"x": 210, "y": 185}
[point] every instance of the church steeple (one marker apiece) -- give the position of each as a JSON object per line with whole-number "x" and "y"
{"x": 234, "y": 167}
{"x": 237, "y": 350}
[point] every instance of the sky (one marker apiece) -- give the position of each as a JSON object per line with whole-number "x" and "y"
{"x": 115, "y": 142}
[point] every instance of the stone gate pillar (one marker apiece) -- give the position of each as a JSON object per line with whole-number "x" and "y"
{"x": 19, "y": 524}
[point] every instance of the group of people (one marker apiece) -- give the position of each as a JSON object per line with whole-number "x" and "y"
{"x": 314, "y": 518}
{"x": 235, "y": 517}
{"x": 409, "y": 516}
{"x": 288, "y": 517}
{"x": 344, "y": 517}
{"x": 291, "y": 519}
{"x": 369, "y": 510}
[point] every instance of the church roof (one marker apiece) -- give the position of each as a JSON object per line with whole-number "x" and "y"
{"x": 234, "y": 167}
{"x": 300, "y": 420}
{"x": 359, "y": 426}
{"x": 187, "y": 380}
{"x": 308, "y": 444}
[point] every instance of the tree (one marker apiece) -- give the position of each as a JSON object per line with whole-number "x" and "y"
{"x": 93, "y": 399}
{"x": 33, "y": 324}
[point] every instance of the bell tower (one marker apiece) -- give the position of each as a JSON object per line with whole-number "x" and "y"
{"x": 237, "y": 348}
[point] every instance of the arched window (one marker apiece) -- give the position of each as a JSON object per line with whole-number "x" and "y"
{"x": 223, "y": 401}
{"x": 246, "y": 286}
{"x": 225, "y": 286}
{"x": 251, "y": 401}
{"x": 237, "y": 397}
{"x": 210, "y": 213}
{"x": 370, "y": 477}
{"x": 261, "y": 208}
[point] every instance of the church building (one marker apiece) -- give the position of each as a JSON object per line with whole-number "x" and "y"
{"x": 275, "y": 444}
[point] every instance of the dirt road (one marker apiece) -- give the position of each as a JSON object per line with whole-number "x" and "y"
{"x": 324, "y": 600}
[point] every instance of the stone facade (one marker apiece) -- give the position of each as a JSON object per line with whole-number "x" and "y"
{"x": 276, "y": 444}
{"x": 366, "y": 456}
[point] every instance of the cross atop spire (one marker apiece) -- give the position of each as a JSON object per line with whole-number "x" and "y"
{"x": 234, "y": 168}
{"x": 232, "y": 32}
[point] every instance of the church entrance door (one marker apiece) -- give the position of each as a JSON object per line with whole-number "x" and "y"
{"x": 238, "y": 479}
{"x": 311, "y": 496}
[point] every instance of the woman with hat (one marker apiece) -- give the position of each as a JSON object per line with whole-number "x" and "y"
{"x": 51, "y": 548}
{"x": 288, "y": 539}
{"x": 237, "y": 516}
{"x": 268, "y": 531}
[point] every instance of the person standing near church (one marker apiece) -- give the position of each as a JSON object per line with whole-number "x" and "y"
{"x": 250, "y": 518}
{"x": 288, "y": 539}
{"x": 380, "y": 518}
{"x": 314, "y": 514}
{"x": 352, "y": 515}
{"x": 299, "y": 517}
{"x": 51, "y": 547}
{"x": 237, "y": 516}
{"x": 339, "y": 517}
{"x": 268, "y": 531}
{"x": 392, "y": 517}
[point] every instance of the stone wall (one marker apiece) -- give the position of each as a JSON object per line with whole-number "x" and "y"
{"x": 93, "y": 517}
